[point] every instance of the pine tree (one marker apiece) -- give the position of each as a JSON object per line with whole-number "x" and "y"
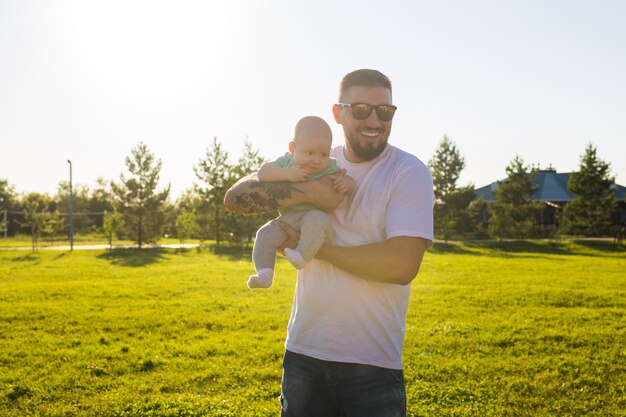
{"x": 446, "y": 166}
{"x": 514, "y": 214}
{"x": 137, "y": 198}
{"x": 249, "y": 162}
{"x": 589, "y": 213}
{"x": 451, "y": 215}
{"x": 216, "y": 176}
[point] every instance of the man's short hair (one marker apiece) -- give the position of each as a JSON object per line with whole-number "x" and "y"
{"x": 363, "y": 78}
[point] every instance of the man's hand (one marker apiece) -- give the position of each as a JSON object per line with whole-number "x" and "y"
{"x": 322, "y": 191}
{"x": 292, "y": 240}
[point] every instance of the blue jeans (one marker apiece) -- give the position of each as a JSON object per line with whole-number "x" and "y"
{"x": 316, "y": 388}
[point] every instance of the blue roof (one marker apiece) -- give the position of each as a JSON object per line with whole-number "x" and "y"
{"x": 552, "y": 187}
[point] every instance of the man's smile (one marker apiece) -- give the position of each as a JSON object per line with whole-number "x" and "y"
{"x": 371, "y": 133}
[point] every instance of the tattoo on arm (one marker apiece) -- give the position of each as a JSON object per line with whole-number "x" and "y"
{"x": 268, "y": 197}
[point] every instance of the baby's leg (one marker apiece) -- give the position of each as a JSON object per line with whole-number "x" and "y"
{"x": 315, "y": 229}
{"x": 268, "y": 238}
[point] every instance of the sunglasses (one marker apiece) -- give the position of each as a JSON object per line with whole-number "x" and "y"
{"x": 361, "y": 111}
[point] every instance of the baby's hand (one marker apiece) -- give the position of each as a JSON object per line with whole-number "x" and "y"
{"x": 297, "y": 173}
{"x": 344, "y": 184}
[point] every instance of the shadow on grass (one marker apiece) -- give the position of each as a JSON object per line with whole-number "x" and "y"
{"x": 542, "y": 247}
{"x": 453, "y": 247}
{"x": 592, "y": 248}
{"x": 232, "y": 251}
{"x": 494, "y": 248}
{"x": 602, "y": 245}
{"x": 134, "y": 257}
{"x": 60, "y": 255}
{"x": 26, "y": 258}
{"x": 530, "y": 248}
{"x": 497, "y": 248}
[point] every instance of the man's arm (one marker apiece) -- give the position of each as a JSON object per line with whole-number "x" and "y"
{"x": 250, "y": 196}
{"x": 394, "y": 261}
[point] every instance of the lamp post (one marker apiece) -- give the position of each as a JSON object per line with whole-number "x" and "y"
{"x": 71, "y": 210}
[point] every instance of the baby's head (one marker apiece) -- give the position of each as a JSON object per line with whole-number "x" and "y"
{"x": 310, "y": 146}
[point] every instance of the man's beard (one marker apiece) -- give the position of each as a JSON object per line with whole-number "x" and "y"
{"x": 367, "y": 152}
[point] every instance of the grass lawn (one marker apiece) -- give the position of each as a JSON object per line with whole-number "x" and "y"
{"x": 511, "y": 329}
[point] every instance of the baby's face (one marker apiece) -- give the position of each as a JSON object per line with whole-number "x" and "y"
{"x": 311, "y": 152}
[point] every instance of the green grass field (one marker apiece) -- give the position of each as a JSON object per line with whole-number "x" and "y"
{"x": 512, "y": 329}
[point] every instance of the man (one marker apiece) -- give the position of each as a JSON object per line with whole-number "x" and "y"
{"x": 345, "y": 336}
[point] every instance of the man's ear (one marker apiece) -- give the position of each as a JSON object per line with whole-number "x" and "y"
{"x": 292, "y": 147}
{"x": 337, "y": 113}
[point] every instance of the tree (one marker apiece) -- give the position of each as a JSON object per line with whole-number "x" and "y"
{"x": 113, "y": 224}
{"x": 137, "y": 198}
{"x": 186, "y": 224}
{"x": 479, "y": 214}
{"x": 169, "y": 213}
{"x": 250, "y": 161}
{"x": 514, "y": 214}
{"x": 35, "y": 210}
{"x": 7, "y": 203}
{"x": 451, "y": 215}
{"x": 53, "y": 225}
{"x": 216, "y": 176}
{"x": 446, "y": 166}
{"x": 189, "y": 199}
{"x": 456, "y": 220}
{"x": 589, "y": 213}
{"x": 100, "y": 201}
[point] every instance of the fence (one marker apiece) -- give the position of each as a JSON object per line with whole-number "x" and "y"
{"x": 13, "y": 220}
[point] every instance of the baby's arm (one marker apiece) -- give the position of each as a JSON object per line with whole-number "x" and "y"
{"x": 270, "y": 172}
{"x": 344, "y": 184}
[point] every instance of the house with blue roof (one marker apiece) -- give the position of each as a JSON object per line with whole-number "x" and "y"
{"x": 553, "y": 192}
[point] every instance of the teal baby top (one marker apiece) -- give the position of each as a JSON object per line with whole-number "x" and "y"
{"x": 286, "y": 161}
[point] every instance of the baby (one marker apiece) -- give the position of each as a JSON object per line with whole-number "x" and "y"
{"x": 308, "y": 158}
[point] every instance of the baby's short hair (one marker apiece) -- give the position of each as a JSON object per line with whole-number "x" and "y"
{"x": 312, "y": 126}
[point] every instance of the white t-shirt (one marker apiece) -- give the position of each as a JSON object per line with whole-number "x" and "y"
{"x": 337, "y": 316}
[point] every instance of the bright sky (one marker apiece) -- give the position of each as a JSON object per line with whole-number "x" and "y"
{"x": 87, "y": 80}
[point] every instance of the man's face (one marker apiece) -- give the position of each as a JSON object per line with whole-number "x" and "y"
{"x": 365, "y": 139}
